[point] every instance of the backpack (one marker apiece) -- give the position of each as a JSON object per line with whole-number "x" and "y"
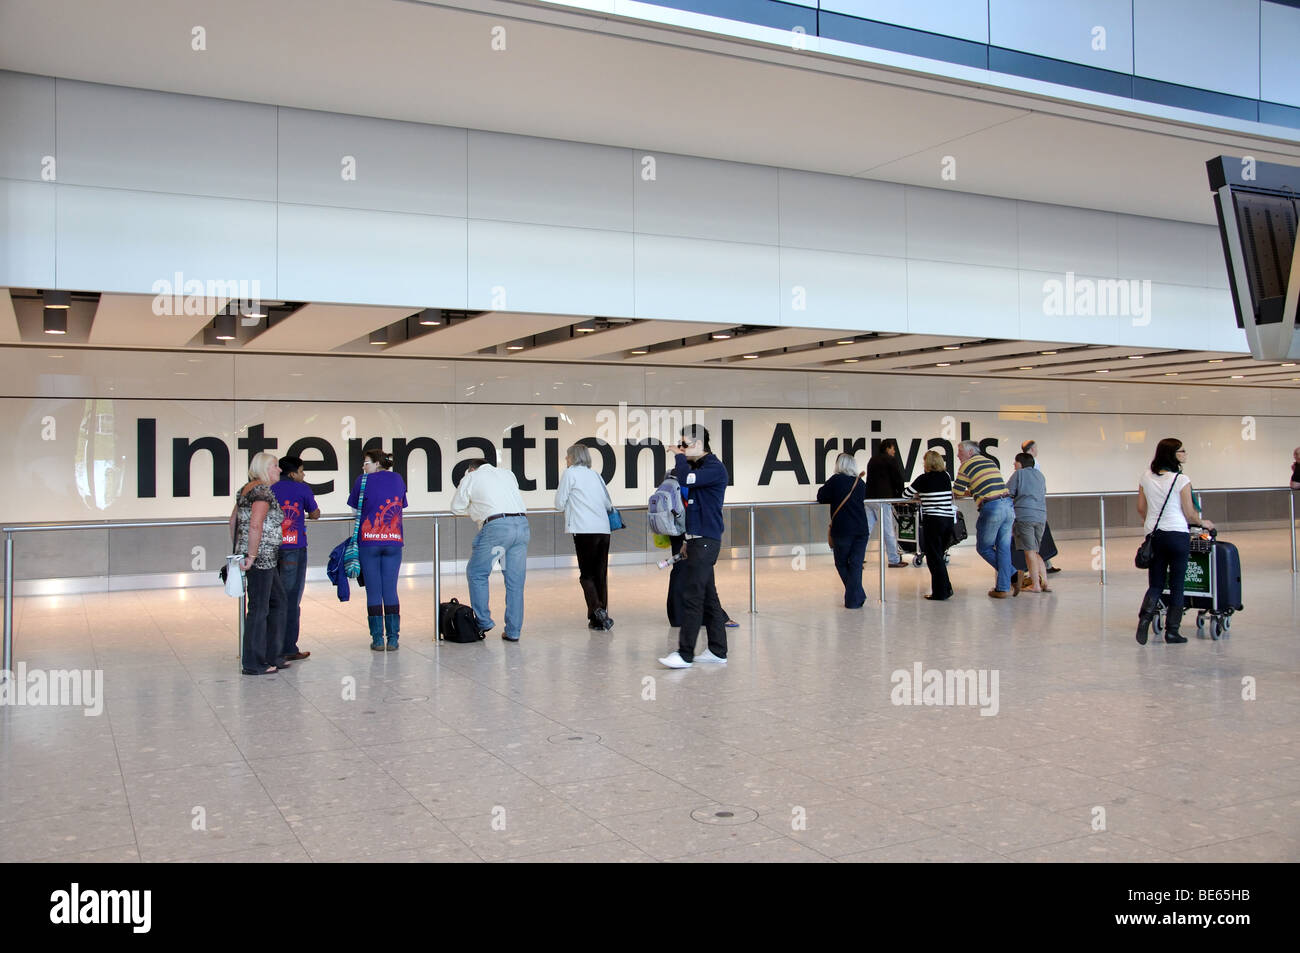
{"x": 666, "y": 511}
{"x": 457, "y": 623}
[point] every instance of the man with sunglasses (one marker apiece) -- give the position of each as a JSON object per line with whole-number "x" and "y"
{"x": 705, "y": 479}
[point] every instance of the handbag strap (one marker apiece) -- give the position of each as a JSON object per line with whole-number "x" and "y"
{"x": 846, "y": 499}
{"x": 1166, "y": 502}
{"x": 361, "y": 502}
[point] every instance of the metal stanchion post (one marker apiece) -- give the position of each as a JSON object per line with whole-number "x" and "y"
{"x": 1291, "y": 499}
{"x": 1101, "y": 501}
{"x": 437, "y": 579}
{"x": 880, "y": 524}
{"x": 753, "y": 580}
{"x": 9, "y": 600}
{"x": 243, "y": 612}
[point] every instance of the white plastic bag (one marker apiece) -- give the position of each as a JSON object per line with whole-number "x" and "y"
{"x": 234, "y": 576}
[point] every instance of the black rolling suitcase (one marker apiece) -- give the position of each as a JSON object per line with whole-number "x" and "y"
{"x": 1212, "y": 585}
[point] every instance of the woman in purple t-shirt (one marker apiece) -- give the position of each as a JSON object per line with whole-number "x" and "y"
{"x": 379, "y": 544}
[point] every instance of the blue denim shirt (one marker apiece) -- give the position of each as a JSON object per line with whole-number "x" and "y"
{"x": 706, "y": 483}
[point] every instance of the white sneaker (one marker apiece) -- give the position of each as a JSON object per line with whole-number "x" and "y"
{"x": 674, "y": 661}
{"x": 707, "y": 656}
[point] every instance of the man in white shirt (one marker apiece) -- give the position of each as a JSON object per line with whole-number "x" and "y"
{"x": 491, "y": 498}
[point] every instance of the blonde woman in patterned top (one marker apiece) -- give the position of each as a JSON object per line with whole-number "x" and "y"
{"x": 256, "y": 526}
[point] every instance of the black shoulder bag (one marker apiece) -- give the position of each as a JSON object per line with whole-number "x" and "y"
{"x": 1144, "y": 554}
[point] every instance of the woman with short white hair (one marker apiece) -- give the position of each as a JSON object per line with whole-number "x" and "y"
{"x": 584, "y": 498}
{"x": 846, "y": 494}
{"x": 255, "y": 525}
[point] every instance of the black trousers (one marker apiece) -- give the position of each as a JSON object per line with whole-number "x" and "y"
{"x": 264, "y": 620}
{"x": 593, "y": 570}
{"x": 934, "y": 531}
{"x": 1169, "y": 556}
{"x": 699, "y": 600}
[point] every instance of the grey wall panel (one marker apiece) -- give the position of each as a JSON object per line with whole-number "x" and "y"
{"x": 162, "y": 550}
{"x": 967, "y": 19}
{"x": 839, "y": 213}
{"x": 385, "y": 258}
{"x": 1279, "y": 41}
{"x": 1058, "y": 238}
{"x": 116, "y": 240}
{"x": 1162, "y": 251}
{"x": 61, "y": 553}
{"x": 549, "y": 269}
{"x": 836, "y": 290}
{"x": 954, "y": 226}
{"x": 27, "y": 219}
{"x": 26, "y": 125}
{"x": 549, "y": 182}
{"x": 1065, "y": 31}
{"x": 123, "y": 138}
{"x": 972, "y": 300}
{"x": 1216, "y": 267}
{"x": 1210, "y": 44}
{"x": 705, "y": 198}
{"x": 1043, "y": 311}
{"x": 706, "y": 281}
{"x": 396, "y": 166}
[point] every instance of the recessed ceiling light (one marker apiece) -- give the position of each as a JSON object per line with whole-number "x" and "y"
{"x": 1026, "y": 367}
{"x": 952, "y": 347}
{"x": 514, "y": 347}
{"x": 944, "y": 364}
{"x": 254, "y": 310}
{"x": 431, "y": 317}
{"x": 749, "y": 357}
{"x": 1102, "y": 370}
{"x": 1136, "y": 357}
{"x": 720, "y": 335}
{"x": 1046, "y": 352}
{"x": 850, "y": 360}
{"x": 1217, "y": 360}
{"x": 640, "y": 350}
{"x": 1289, "y": 364}
{"x": 223, "y": 326}
{"x": 379, "y": 337}
{"x": 845, "y": 341}
{"x": 55, "y": 320}
{"x": 586, "y": 327}
{"x": 1237, "y": 377}
{"x": 1171, "y": 373}
{"x": 58, "y": 299}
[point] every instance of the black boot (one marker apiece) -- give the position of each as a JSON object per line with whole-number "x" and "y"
{"x": 1145, "y": 616}
{"x": 1174, "y": 622}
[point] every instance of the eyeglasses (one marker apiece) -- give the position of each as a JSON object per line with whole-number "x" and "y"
{"x": 683, "y": 445}
{"x": 1180, "y": 450}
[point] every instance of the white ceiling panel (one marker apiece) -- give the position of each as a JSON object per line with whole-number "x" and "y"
{"x": 619, "y": 339}
{"x": 323, "y": 327}
{"x": 129, "y": 321}
{"x": 8, "y": 320}
{"x": 748, "y": 344}
{"x": 486, "y": 330}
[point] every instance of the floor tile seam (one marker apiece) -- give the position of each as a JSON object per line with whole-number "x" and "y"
{"x": 1087, "y": 836}
{"x": 617, "y": 839}
{"x": 43, "y": 858}
{"x": 910, "y": 840}
{"x": 1232, "y": 840}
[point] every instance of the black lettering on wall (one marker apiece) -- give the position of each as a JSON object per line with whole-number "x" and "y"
{"x": 912, "y": 453}
{"x": 357, "y": 455}
{"x": 984, "y": 449}
{"x": 516, "y": 444}
{"x": 948, "y": 459}
{"x": 183, "y": 455}
{"x": 783, "y": 436}
{"x": 146, "y": 457}
{"x": 256, "y": 442}
{"x": 551, "y": 454}
{"x": 486, "y": 449}
{"x": 854, "y": 445}
{"x": 822, "y": 448}
{"x": 632, "y": 450}
{"x": 728, "y": 426}
{"x": 608, "y": 462}
{"x": 402, "y": 450}
{"x": 329, "y": 460}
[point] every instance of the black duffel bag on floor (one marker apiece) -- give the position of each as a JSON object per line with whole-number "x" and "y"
{"x": 457, "y": 623}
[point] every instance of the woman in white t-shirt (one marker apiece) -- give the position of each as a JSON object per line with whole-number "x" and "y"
{"x": 1165, "y": 504}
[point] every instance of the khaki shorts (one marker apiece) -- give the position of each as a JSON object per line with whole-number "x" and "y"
{"x": 1027, "y": 536}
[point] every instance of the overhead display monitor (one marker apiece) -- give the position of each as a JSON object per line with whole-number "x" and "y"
{"x": 1257, "y": 207}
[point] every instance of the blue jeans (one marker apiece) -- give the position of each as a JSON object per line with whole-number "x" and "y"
{"x": 379, "y": 567}
{"x": 993, "y": 538}
{"x": 849, "y": 552}
{"x": 506, "y": 538}
{"x": 293, "y": 576}
{"x": 891, "y": 527}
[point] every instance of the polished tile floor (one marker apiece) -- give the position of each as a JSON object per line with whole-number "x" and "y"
{"x": 576, "y": 746}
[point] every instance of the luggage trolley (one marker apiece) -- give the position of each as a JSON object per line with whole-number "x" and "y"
{"x": 911, "y": 538}
{"x": 1212, "y": 585}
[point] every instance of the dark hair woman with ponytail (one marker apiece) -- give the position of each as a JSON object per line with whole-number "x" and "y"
{"x": 380, "y": 495}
